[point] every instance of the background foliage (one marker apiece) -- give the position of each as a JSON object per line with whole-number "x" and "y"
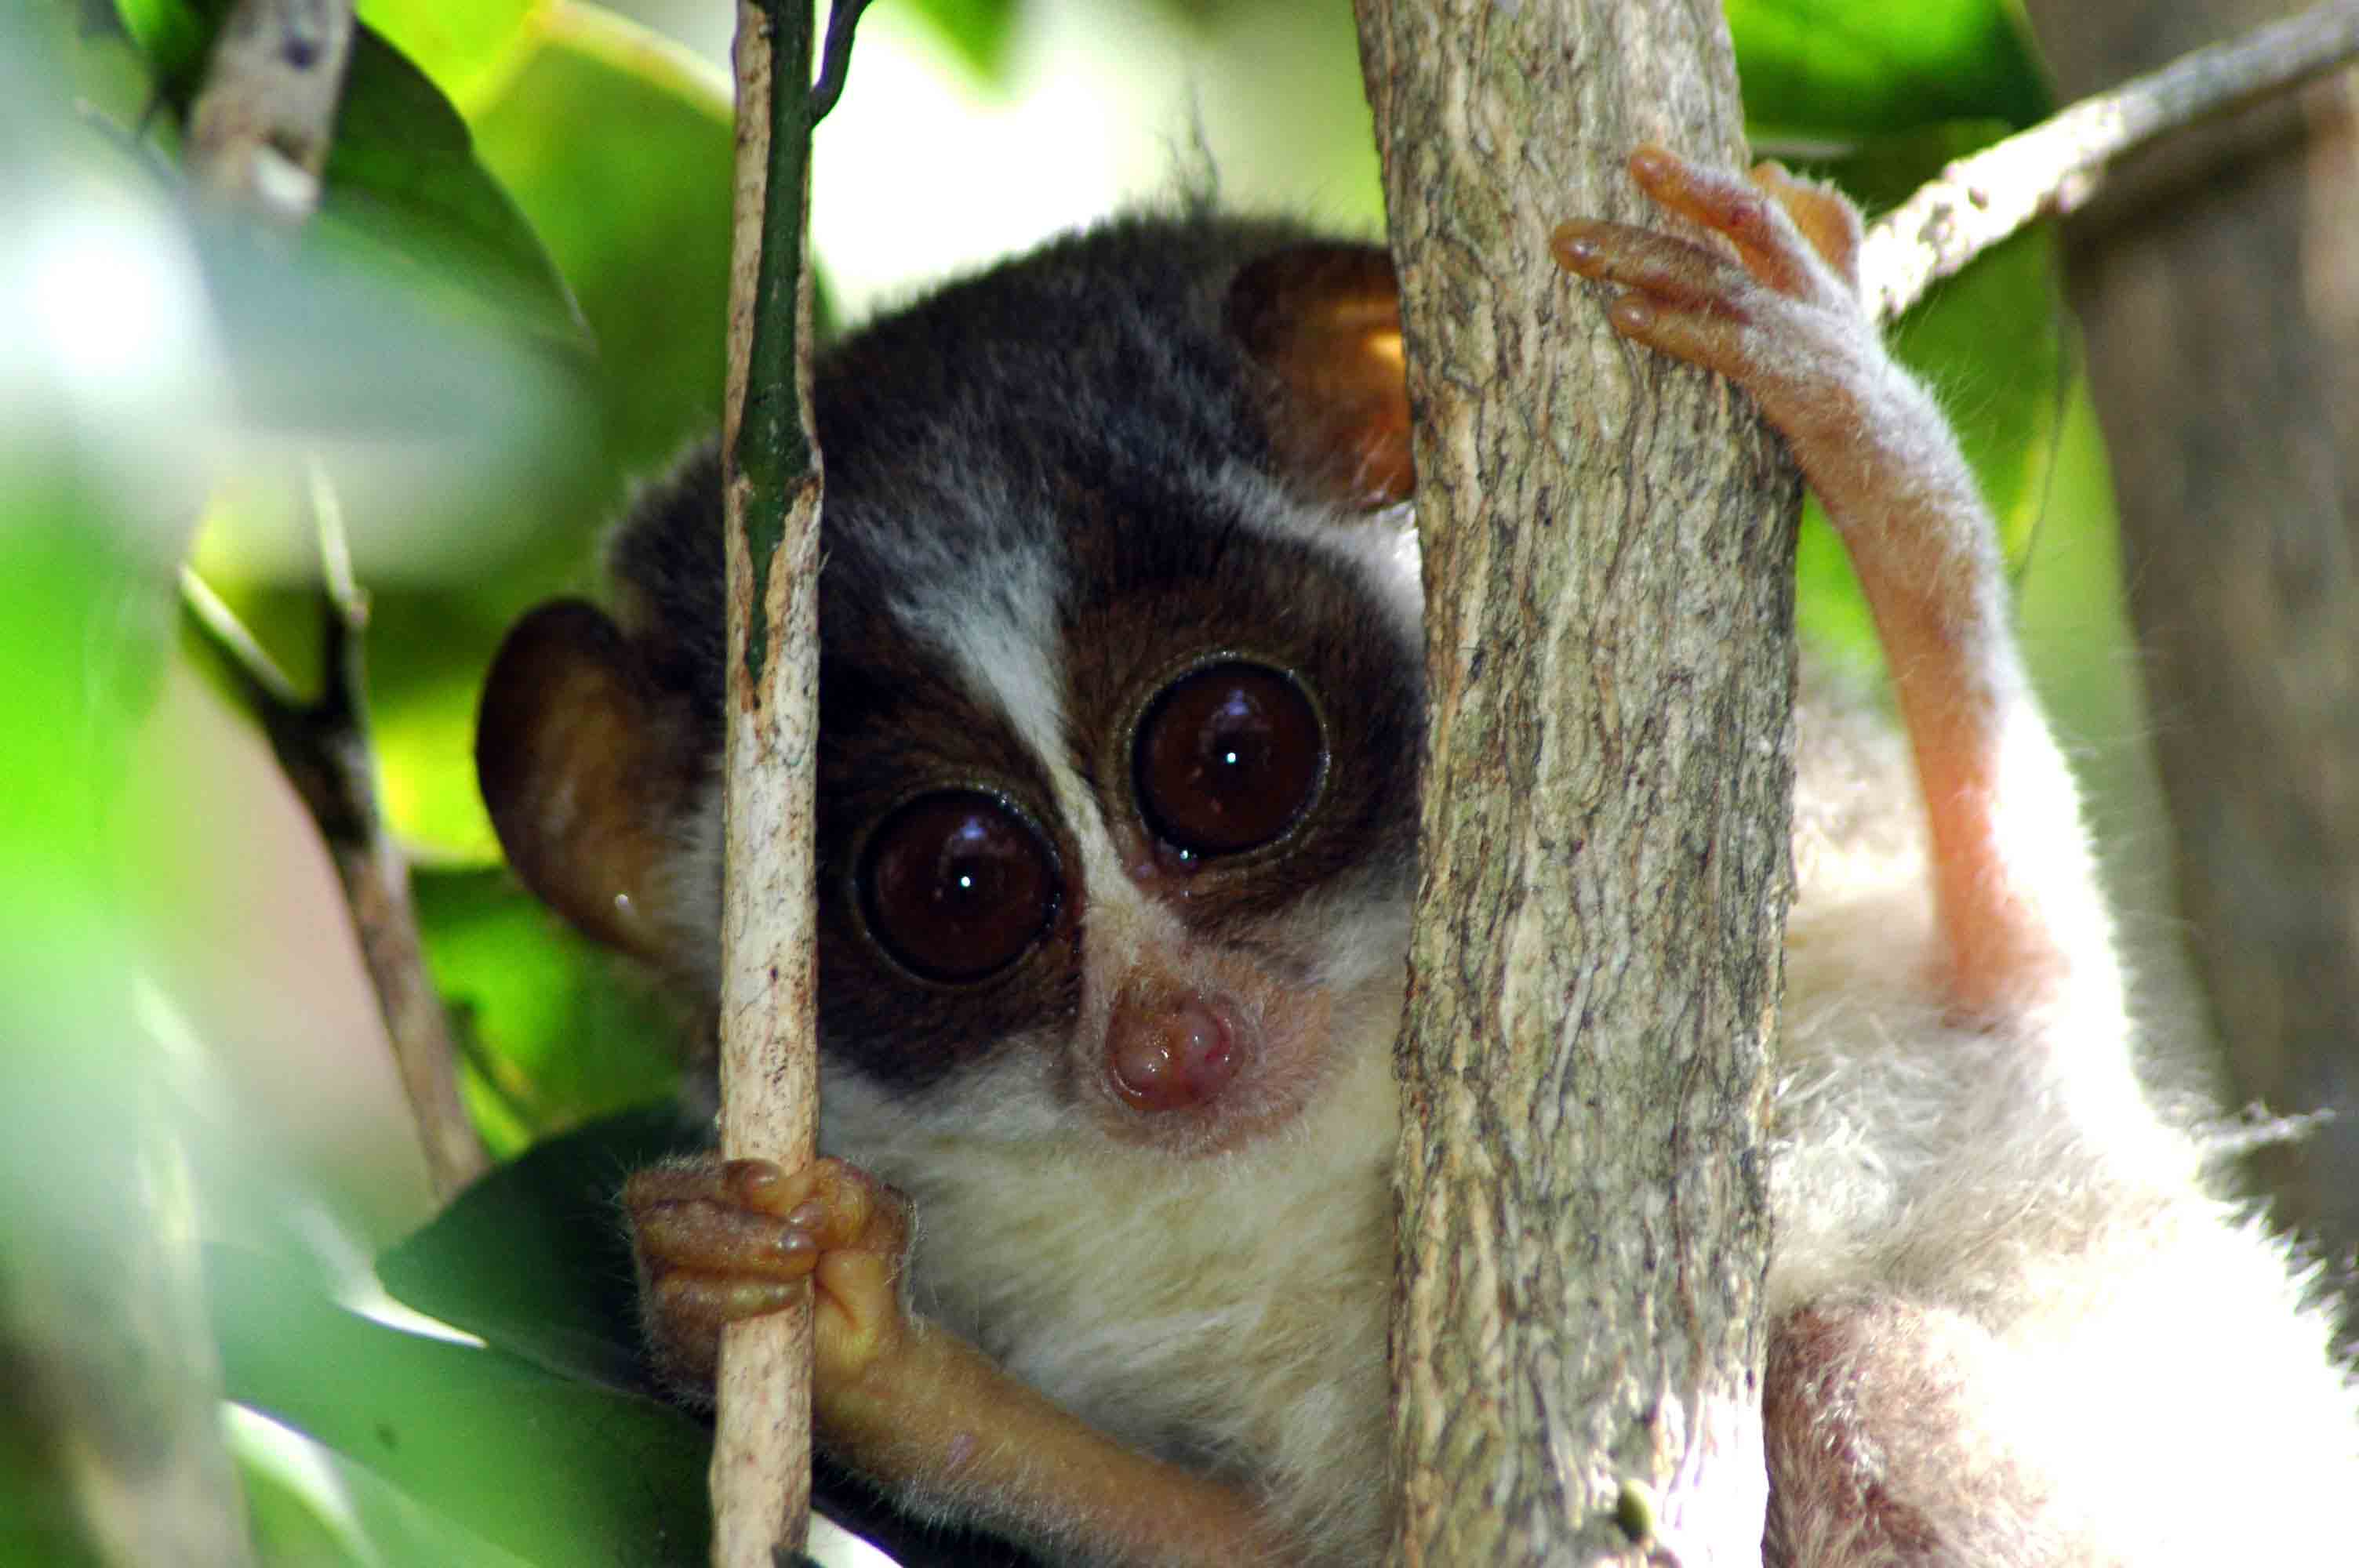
{"x": 508, "y": 309}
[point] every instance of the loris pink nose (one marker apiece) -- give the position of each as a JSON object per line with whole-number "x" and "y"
{"x": 1173, "y": 1050}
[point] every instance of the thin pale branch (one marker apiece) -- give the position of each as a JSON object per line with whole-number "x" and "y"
{"x": 259, "y": 133}
{"x": 769, "y": 1073}
{"x": 2058, "y": 164}
{"x": 323, "y": 746}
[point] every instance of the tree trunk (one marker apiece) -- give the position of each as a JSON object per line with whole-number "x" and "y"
{"x": 1595, "y": 977}
{"x": 2218, "y": 284}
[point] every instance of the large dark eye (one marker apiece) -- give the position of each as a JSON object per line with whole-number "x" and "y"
{"x": 1228, "y": 758}
{"x": 957, "y": 886}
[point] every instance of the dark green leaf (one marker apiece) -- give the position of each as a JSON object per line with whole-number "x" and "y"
{"x": 533, "y": 1257}
{"x": 980, "y": 30}
{"x": 174, "y": 36}
{"x": 465, "y": 47}
{"x": 617, "y": 149}
{"x": 558, "y": 1472}
{"x": 403, "y": 179}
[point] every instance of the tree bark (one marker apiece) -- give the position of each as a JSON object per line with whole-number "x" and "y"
{"x": 2218, "y": 284}
{"x": 769, "y": 1066}
{"x": 1595, "y": 972}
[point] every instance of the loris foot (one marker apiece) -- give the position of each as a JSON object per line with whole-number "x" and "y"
{"x": 719, "y": 1243}
{"x": 1781, "y": 316}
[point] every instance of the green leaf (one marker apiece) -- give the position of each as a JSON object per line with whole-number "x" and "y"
{"x": 403, "y": 178}
{"x": 1822, "y": 69}
{"x": 564, "y": 1032}
{"x": 981, "y": 32}
{"x": 422, "y": 341}
{"x": 174, "y": 34}
{"x": 618, "y": 149}
{"x": 557, "y": 1472}
{"x": 465, "y": 46}
{"x": 533, "y": 1257}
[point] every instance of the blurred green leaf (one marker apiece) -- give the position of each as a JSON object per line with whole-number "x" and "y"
{"x": 1833, "y": 69}
{"x": 618, "y": 149}
{"x": 556, "y": 1471}
{"x": 565, "y": 1034}
{"x": 403, "y": 178}
{"x": 465, "y": 48}
{"x": 983, "y": 32}
{"x": 533, "y": 1257}
{"x": 1203, "y": 13}
{"x": 289, "y": 1526}
{"x": 174, "y": 36}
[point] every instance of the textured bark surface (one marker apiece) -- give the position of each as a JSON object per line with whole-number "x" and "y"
{"x": 1595, "y": 977}
{"x": 2218, "y": 282}
{"x": 769, "y": 1064}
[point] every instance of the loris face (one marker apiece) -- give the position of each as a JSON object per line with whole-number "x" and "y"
{"x": 1129, "y": 833}
{"x": 1119, "y": 701}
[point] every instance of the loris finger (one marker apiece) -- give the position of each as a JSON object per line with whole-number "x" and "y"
{"x": 708, "y": 1301}
{"x": 1829, "y": 223}
{"x": 1668, "y": 272}
{"x": 1682, "y": 300}
{"x": 1752, "y": 218}
{"x": 711, "y": 1236}
{"x": 748, "y": 1218}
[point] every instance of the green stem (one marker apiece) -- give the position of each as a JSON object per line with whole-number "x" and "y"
{"x": 772, "y": 453}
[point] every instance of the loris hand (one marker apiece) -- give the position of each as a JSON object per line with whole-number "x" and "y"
{"x": 916, "y": 1410}
{"x": 719, "y": 1243}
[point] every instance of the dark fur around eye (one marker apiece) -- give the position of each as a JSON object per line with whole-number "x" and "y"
{"x": 1081, "y": 414}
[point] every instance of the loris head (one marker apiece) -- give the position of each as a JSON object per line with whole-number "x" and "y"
{"x": 1119, "y": 695}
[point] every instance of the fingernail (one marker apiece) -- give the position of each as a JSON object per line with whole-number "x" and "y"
{"x": 1575, "y": 243}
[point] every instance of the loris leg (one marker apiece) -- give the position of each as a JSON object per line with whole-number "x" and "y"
{"x": 915, "y": 1409}
{"x": 2017, "y": 914}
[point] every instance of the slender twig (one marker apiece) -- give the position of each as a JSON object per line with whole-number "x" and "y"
{"x": 259, "y": 133}
{"x": 769, "y": 1073}
{"x": 2058, "y": 164}
{"x": 324, "y": 748}
{"x": 835, "y": 55}
{"x": 258, "y": 137}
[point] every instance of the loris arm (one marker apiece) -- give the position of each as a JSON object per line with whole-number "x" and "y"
{"x": 907, "y": 1403}
{"x": 2013, "y": 895}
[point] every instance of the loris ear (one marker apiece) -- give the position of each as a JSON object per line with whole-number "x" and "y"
{"x": 1324, "y": 321}
{"x": 588, "y": 767}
